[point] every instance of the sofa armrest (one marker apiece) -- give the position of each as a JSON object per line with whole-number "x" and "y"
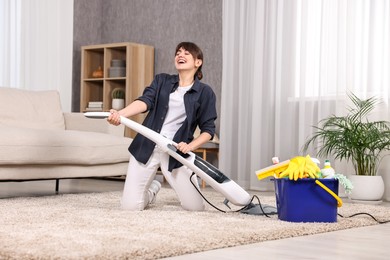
{"x": 77, "y": 121}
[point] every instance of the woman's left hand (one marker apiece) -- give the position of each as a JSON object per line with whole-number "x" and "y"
{"x": 184, "y": 147}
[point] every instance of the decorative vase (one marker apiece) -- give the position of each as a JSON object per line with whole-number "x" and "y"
{"x": 98, "y": 73}
{"x": 118, "y": 104}
{"x": 367, "y": 189}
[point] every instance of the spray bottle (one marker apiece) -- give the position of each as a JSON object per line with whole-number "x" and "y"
{"x": 328, "y": 172}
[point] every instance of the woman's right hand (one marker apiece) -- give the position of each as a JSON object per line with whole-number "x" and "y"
{"x": 114, "y": 117}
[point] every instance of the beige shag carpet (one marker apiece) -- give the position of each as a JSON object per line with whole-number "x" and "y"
{"x": 92, "y": 226}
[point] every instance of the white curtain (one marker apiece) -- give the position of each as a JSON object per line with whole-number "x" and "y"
{"x": 288, "y": 64}
{"x": 10, "y": 17}
{"x": 36, "y": 46}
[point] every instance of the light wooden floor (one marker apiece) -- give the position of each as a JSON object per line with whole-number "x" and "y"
{"x": 360, "y": 243}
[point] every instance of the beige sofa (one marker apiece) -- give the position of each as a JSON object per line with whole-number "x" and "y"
{"x": 39, "y": 141}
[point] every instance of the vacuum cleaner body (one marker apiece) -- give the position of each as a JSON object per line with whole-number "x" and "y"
{"x": 206, "y": 171}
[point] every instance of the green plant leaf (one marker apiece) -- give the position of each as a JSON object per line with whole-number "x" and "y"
{"x": 353, "y": 137}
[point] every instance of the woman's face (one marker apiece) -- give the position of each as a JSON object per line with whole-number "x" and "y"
{"x": 185, "y": 61}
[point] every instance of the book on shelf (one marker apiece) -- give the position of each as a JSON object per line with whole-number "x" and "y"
{"x": 95, "y": 109}
{"x": 95, "y": 104}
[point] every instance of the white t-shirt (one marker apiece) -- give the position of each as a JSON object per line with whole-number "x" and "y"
{"x": 176, "y": 112}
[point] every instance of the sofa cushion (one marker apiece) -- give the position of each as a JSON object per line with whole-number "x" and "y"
{"x": 31, "y": 109}
{"x": 34, "y": 146}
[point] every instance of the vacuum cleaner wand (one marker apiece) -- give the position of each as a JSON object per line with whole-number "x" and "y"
{"x": 206, "y": 171}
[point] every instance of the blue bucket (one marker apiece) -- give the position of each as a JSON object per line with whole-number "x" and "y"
{"x": 305, "y": 201}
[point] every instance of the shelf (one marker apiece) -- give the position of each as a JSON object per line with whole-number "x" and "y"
{"x": 139, "y": 71}
{"x": 118, "y": 78}
{"x": 94, "y": 79}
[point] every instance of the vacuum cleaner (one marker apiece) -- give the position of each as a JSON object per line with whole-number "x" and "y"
{"x": 203, "y": 169}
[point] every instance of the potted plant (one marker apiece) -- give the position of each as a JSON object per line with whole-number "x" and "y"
{"x": 118, "y": 98}
{"x": 358, "y": 140}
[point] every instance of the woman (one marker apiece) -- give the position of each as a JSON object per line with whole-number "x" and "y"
{"x": 176, "y": 105}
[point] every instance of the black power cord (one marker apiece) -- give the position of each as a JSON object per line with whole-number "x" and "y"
{"x": 362, "y": 213}
{"x": 224, "y": 211}
{"x": 262, "y": 210}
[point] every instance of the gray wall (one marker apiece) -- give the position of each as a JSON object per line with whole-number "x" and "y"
{"x": 160, "y": 23}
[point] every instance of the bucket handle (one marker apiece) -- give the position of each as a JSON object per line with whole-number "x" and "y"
{"x": 339, "y": 201}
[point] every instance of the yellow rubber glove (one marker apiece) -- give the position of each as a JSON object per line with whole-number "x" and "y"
{"x": 295, "y": 168}
{"x": 311, "y": 168}
{"x": 301, "y": 167}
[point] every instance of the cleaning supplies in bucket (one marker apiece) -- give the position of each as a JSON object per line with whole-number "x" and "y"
{"x": 302, "y": 195}
{"x": 327, "y": 172}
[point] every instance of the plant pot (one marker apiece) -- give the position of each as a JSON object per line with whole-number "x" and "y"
{"x": 367, "y": 189}
{"x": 118, "y": 104}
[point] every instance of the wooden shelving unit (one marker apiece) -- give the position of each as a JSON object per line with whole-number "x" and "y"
{"x": 139, "y": 60}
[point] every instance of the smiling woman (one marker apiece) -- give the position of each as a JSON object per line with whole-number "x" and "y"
{"x": 188, "y": 51}
{"x": 176, "y": 106}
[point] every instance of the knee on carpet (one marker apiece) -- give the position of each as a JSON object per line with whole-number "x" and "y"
{"x": 132, "y": 206}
